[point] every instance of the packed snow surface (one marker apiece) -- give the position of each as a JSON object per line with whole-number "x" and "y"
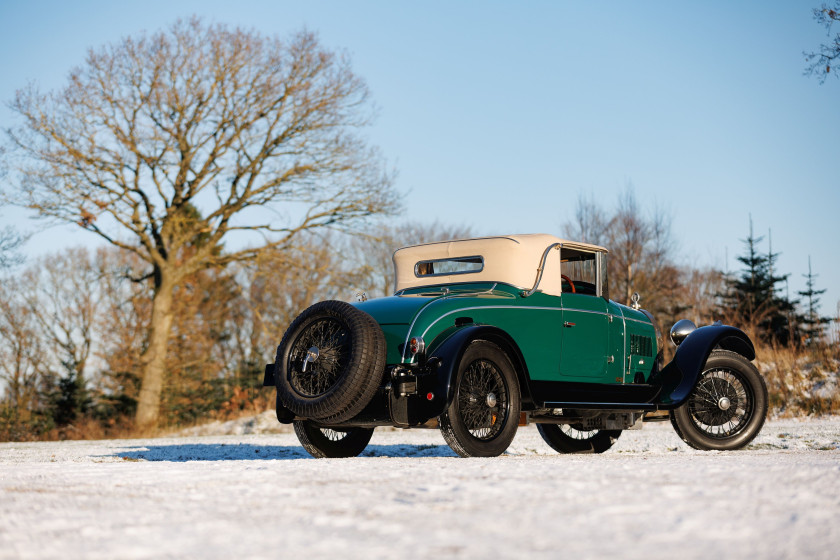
{"x": 408, "y": 496}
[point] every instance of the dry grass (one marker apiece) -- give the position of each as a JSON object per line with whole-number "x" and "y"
{"x": 801, "y": 381}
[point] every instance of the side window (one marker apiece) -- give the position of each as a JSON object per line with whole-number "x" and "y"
{"x": 579, "y": 271}
{"x": 448, "y": 267}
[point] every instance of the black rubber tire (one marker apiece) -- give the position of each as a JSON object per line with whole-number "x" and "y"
{"x": 486, "y": 369}
{"x": 566, "y": 438}
{"x": 331, "y": 443}
{"x": 349, "y": 369}
{"x": 702, "y": 424}
{"x": 284, "y": 415}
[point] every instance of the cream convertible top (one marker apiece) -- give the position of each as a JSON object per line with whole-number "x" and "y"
{"x": 512, "y": 259}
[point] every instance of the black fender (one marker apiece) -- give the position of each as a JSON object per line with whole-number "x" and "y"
{"x": 679, "y": 377}
{"x": 447, "y": 355}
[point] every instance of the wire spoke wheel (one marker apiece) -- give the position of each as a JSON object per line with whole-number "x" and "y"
{"x": 327, "y": 442}
{"x": 333, "y": 435}
{"x": 482, "y": 399}
{"x": 331, "y": 340}
{"x": 726, "y": 408}
{"x": 329, "y": 364}
{"x": 577, "y": 433}
{"x": 573, "y": 438}
{"x": 484, "y": 415}
{"x": 720, "y": 405}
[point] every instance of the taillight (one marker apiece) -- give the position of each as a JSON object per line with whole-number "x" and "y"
{"x": 416, "y": 346}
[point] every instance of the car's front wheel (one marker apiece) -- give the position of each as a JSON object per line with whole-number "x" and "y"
{"x": 726, "y": 408}
{"x": 484, "y": 415}
{"x": 566, "y": 438}
{"x": 321, "y": 442}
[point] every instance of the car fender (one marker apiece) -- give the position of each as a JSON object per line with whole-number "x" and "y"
{"x": 679, "y": 377}
{"x": 447, "y": 355}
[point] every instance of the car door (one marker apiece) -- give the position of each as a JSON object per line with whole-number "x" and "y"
{"x": 585, "y": 338}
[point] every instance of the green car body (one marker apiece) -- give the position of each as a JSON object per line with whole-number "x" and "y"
{"x": 594, "y": 347}
{"x": 484, "y": 334}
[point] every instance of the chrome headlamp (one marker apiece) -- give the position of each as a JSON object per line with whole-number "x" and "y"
{"x": 681, "y": 330}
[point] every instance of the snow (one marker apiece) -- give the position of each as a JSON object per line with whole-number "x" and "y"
{"x": 259, "y": 495}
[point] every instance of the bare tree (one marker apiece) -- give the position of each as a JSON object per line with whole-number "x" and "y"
{"x": 641, "y": 249}
{"x": 122, "y": 324}
{"x": 821, "y": 63}
{"x": 371, "y": 256}
{"x": 21, "y": 352}
{"x": 279, "y": 285}
{"x": 628, "y": 238}
{"x": 10, "y": 242}
{"x": 61, "y": 291}
{"x": 259, "y": 133}
{"x": 590, "y": 224}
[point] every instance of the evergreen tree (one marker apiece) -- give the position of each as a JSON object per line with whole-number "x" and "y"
{"x": 812, "y": 321}
{"x": 753, "y": 298}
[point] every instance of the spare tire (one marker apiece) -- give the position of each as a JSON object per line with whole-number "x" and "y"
{"x": 330, "y": 362}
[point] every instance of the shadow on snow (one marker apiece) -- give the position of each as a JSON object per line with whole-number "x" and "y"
{"x": 249, "y": 452}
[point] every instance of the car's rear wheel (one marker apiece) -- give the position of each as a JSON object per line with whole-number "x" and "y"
{"x": 727, "y": 407}
{"x": 568, "y": 438}
{"x": 330, "y": 362}
{"x": 323, "y": 442}
{"x": 484, "y": 415}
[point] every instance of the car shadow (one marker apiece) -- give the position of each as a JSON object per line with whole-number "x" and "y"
{"x": 181, "y": 453}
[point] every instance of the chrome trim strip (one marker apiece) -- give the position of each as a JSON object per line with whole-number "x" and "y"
{"x": 598, "y": 275}
{"x": 605, "y": 313}
{"x": 625, "y": 365}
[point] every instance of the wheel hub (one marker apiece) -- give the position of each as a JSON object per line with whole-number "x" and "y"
{"x": 491, "y": 400}
{"x": 724, "y": 403}
{"x": 311, "y": 355}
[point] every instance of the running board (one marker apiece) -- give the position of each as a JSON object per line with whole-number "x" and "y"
{"x": 602, "y": 406}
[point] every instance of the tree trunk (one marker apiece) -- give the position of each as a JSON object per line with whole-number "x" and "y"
{"x": 154, "y": 358}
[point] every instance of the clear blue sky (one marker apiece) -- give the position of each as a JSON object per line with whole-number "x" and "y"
{"x": 498, "y": 115}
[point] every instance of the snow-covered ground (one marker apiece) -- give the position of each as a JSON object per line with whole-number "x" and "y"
{"x": 261, "y": 496}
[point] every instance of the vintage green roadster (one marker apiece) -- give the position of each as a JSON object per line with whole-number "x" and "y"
{"x": 484, "y": 335}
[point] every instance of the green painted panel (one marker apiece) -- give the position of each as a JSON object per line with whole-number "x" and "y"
{"x": 640, "y": 343}
{"x": 534, "y": 323}
{"x": 594, "y": 349}
{"x": 393, "y": 309}
{"x": 615, "y": 351}
{"x": 585, "y": 339}
{"x": 394, "y": 337}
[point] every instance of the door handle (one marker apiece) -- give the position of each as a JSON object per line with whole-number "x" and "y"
{"x": 568, "y": 324}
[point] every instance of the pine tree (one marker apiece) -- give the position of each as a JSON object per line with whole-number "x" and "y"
{"x": 813, "y": 322}
{"x": 753, "y": 298}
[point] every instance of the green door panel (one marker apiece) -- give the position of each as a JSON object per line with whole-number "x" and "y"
{"x": 585, "y": 339}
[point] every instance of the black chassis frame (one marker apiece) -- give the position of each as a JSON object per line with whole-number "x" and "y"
{"x": 412, "y": 395}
